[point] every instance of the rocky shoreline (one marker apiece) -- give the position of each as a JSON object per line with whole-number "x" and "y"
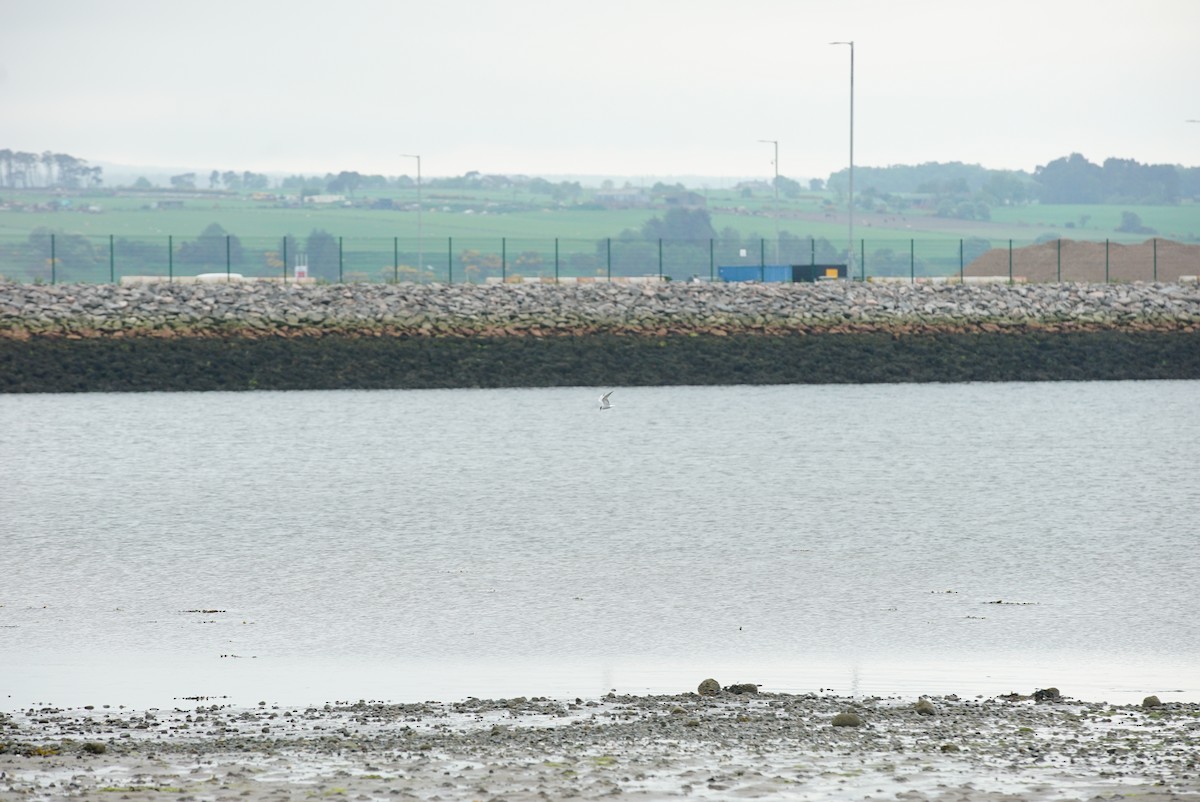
{"x": 259, "y": 309}
{"x": 270, "y": 336}
{"x": 722, "y": 745}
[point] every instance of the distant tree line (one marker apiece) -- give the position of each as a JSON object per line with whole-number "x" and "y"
{"x": 958, "y": 189}
{"x": 1070, "y": 179}
{"x": 48, "y": 170}
{"x": 1074, "y": 179}
{"x": 348, "y": 182}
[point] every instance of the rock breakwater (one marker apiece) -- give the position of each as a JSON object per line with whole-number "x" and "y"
{"x": 269, "y": 309}
{"x": 75, "y": 338}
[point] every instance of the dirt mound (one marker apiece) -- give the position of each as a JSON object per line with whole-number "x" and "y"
{"x": 1072, "y": 260}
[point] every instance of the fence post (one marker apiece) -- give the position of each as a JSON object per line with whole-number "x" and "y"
{"x": 53, "y": 262}
{"x": 112, "y": 261}
{"x": 1010, "y": 275}
{"x": 170, "y": 259}
{"x": 341, "y": 272}
{"x": 960, "y": 262}
{"x": 284, "y": 252}
{"x": 228, "y": 255}
{"x": 812, "y": 259}
{"x": 503, "y": 260}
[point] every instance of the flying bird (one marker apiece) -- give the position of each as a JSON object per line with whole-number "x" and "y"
{"x": 604, "y": 402}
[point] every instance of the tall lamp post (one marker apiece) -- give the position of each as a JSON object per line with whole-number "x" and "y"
{"x": 775, "y": 208}
{"x": 420, "y": 242}
{"x": 850, "y": 244}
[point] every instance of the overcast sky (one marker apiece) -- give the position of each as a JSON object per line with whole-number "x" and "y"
{"x": 619, "y": 87}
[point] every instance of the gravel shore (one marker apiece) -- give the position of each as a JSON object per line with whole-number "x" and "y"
{"x": 723, "y": 746}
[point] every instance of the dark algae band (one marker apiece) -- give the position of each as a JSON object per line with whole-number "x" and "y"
{"x": 145, "y": 363}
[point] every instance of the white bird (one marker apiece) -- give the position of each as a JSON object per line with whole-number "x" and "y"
{"x": 604, "y": 402}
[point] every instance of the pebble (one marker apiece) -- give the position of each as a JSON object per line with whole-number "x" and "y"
{"x": 765, "y": 746}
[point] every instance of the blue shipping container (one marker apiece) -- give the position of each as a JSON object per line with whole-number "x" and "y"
{"x": 755, "y": 273}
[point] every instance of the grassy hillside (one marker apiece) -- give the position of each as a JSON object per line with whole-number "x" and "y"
{"x": 522, "y": 214}
{"x": 473, "y": 234}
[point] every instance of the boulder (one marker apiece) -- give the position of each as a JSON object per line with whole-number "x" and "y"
{"x": 1047, "y": 695}
{"x": 847, "y": 720}
{"x": 745, "y": 687}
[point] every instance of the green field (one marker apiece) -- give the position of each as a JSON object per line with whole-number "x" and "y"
{"x": 478, "y": 234}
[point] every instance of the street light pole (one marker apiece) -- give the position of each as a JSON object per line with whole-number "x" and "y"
{"x": 420, "y": 242}
{"x": 850, "y": 243}
{"x": 775, "y": 208}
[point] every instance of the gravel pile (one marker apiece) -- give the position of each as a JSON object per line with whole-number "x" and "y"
{"x": 1082, "y": 260}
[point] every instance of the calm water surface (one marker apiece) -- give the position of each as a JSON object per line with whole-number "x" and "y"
{"x": 407, "y": 545}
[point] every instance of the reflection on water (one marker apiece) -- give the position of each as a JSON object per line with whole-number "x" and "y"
{"x": 424, "y": 544}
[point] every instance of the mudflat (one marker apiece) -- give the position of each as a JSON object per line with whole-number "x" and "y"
{"x": 730, "y": 744}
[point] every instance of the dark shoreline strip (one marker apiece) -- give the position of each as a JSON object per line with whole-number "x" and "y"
{"x": 139, "y": 364}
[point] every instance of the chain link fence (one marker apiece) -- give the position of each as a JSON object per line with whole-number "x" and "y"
{"x": 61, "y": 258}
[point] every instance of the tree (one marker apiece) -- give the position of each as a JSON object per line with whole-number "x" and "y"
{"x": 72, "y": 172}
{"x": 214, "y": 247}
{"x": 183, "y": 181}
{"x": 1008, "y": 187}
{"x": 566, "y": 190}
{"x": 936, "y": 177}
{"x": 789, "y": 187}
{"x": 142, "y": 183}
{"x": 48, "y": 165}
{"x": 255, "y": 182}
{"x": 816, "y": 184}
{"x": 1072, "y": 179}
{"x": 214, "y": 178}
{"x": 1127, "y": 181}
{"x": 303, "y": 185}
{"x": 27, "y": 163}
{"x": 1189, "y": 182}
{"x": 345, "y": 182}
{"x": 680, "y": 224}
{"x": 541, "y": 186}
{"x": 1132, "y": 224}
{"x": 75, "y": 255}
{"x": 323, "y": 259}
{"x": 953, "y": 187}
